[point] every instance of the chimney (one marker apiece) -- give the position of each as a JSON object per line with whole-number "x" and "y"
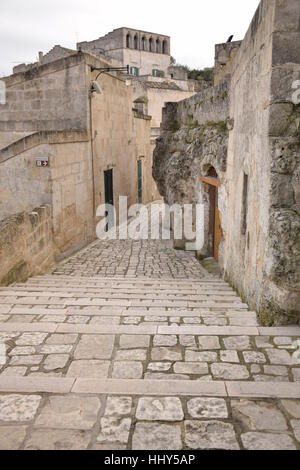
{"x": 41, "y": 55}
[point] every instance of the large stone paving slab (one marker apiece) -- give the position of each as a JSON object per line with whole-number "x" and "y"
{"x": 11, "y": 437}
{"x": 69, "y": 412}
{"x": 259, "y": 416}
{"x": 155, "y": 436}
{"x": 58, "y": 439}
{"x": 92, "y": 368}
{"x": 95, "y": 347}
{"x": 267, "y": 441}
{"x": 210, "y": 435}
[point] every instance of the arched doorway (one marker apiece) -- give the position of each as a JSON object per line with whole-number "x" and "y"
{"x": 213, "y": 184}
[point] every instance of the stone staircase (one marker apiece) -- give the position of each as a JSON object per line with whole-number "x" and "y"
{"x": 143, "y": 363}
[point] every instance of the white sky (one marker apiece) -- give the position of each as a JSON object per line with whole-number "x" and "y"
{"x": 29, "y": 26}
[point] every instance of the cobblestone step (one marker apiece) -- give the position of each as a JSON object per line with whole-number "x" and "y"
{"x": 142, "y": 362}
{"x": 121, "y": 295}
{"x": 148, "y": 387}
{"x": 157, "y": 329}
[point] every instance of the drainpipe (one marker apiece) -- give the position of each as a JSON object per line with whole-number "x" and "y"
{"x": 92, "y": 153}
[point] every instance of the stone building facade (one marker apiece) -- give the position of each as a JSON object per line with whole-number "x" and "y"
{"x": 97, "y": 140}
{"x": 52, "y": 114}
{"x": 147, "y": 56}
{"x": 145, "y": 53}
{"x": 235, "y": 148}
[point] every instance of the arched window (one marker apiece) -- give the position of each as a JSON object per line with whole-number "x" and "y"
{"x": 128, "y": 40}
{"x": 158, "y": 46}
{"x": 136, "y": 42}
{"x": 165, "y": 47}
{"x": 143, "y": 43}
{"x": 151, "y": 45}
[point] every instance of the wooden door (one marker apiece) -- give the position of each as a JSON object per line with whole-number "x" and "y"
{"x": 217, "y": 228}
{"x": 109, "y": 196}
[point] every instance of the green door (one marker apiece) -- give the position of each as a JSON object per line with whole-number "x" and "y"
{"x": 140, "y": 181}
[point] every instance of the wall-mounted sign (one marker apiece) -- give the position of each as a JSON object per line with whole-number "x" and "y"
{"x": 42, "y": 161}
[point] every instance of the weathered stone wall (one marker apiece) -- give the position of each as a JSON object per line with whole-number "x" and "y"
{"x": 282, "y": 280}
{"x": 263, "y": 262}
{"x": 73, "y": 183}
{"x": 56, "y": 53}
{"x": 211, "y": 105}
{"x": 23, "y": 185}
{"x": 66, "y": 184}
{"x": 257, "y": 141}
{"x": 224, "y": 57}
{"x": 50, "y": 97}
{"x": 121, "y": 137}
{"x": 26, "y": 246}
{"x": 114, "y": 44}
{"x": 144, "y": 151}
{"x": 156, "y": 94}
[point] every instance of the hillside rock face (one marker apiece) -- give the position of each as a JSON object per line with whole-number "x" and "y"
{"x": 181, "y": 156}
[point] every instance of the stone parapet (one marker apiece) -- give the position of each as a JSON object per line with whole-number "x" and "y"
{"x": 39, "y": 138}
{"x": 26, "y": 246}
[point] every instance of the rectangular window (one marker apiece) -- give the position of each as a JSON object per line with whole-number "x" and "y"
{"x": 245, "y": 205}
{"x": 158, "y": 73}
{"x": 140, "y": 181}
{"x": 134, "y": 71}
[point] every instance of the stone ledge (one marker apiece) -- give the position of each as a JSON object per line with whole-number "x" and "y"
{"x": 39, "y": 138}
{"x": 208, "y": 330}
{"x": 139, "y": 115}
{"x": 263, "y": 390}
{"x": 32, "y": 385}
{"x": 28, "y": 327}
{"x": 137, "y": 330}
{"x": 107, "y": 330}
{"x": 147, "y": 387}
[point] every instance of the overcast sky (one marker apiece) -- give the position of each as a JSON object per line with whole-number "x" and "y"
{"x": 29, "y": 26}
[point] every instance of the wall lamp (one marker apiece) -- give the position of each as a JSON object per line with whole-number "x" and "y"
{"x": 109, "y": 69}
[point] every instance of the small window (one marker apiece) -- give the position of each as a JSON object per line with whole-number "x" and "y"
{"x": 165, "y": 47}
{"x": 128, "y": 41}
{"x": 158, "y": 73}
{"x": 136, "y": 42}
{"x": 151, "y": 45}
{"x": 143, "y": 43}
{"x": 245, "y": 205}
{"x": 134, "y": 71}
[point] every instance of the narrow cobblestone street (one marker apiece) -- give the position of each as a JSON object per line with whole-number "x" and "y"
{"x": 133, "y": 345}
